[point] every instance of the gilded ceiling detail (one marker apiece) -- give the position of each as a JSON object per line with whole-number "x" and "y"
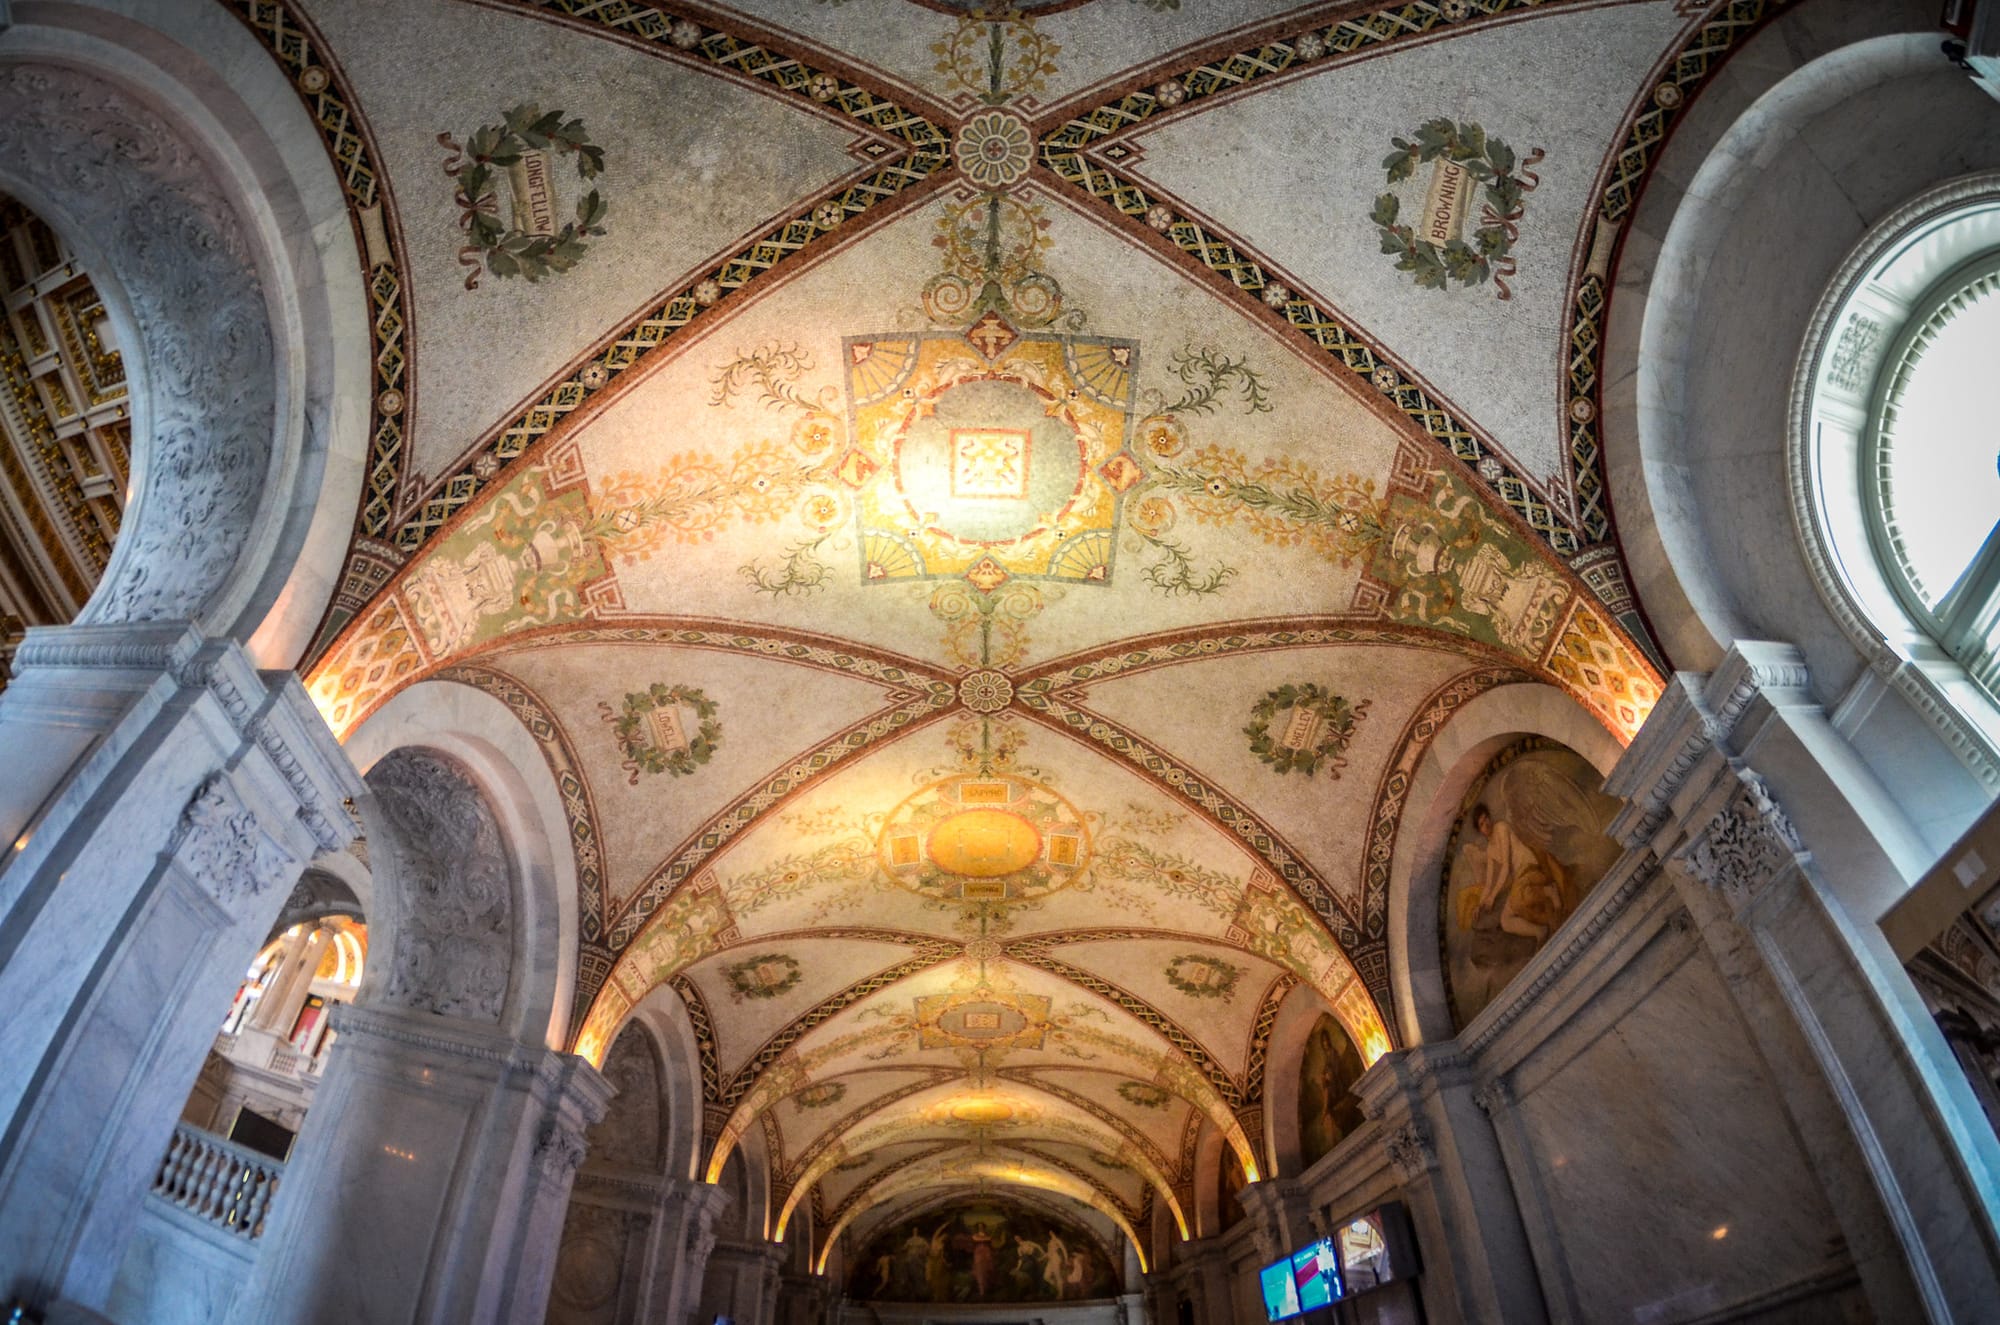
{"x": 983, "y": 592}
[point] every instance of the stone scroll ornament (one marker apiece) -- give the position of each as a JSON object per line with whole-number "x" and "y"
{"x": 522, "y": 160}
{"x": 1439, "y": 249}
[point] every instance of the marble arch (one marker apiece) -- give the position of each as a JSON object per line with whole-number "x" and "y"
{"x": 244, "y": 423}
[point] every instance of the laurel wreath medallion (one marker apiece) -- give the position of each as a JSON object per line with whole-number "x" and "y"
{"x": 1504, "y": 178}
{"x": 508, "y": 250}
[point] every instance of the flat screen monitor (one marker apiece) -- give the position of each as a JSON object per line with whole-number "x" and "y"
{"x": 1281, "y": 1295}
{"x": 1316, "y": 1273}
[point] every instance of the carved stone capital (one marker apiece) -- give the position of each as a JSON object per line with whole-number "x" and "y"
{"x": 223, "y": 847}
{"x": 1746, "y": 844}
{"x": 559, "y": 1152}
{"x": 1494, "y": 1097}
{"x": 1412, "y": 1151}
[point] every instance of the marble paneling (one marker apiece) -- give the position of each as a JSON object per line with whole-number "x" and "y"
{"x": 1671, "y": 1178}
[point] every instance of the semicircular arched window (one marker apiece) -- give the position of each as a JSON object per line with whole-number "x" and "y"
{"x": 1896, "y": 460}
{"x": 1931, "y": 463}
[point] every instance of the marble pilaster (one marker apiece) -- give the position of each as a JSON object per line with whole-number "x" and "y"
{"x": 1786, "y": 852}
{"x": 742, "y": 1281}
{"x": 1281, "y": 1216}
{"x": 439, "y": 1155}
{"x": 119, "y": 950}
{"x": 684, "y": 1226}
{"x": 1455, "y": 1182}
{"x": 1201, "y": 1279}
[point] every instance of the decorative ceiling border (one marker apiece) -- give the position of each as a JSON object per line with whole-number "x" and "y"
{"x": 579, "y": 805}
{"x": 1069, "y": 674}
{"x": 1029, "y": 1077}
{"x": 1034, "y": 952}
{"x": 930, "y": 953}
{"x": 848, "y": 1202}
{"x": 1392, "y": 795}
{"x": 291, "y": 39}
{"x": 1676, "y": 81}
{"x": 1260, "y": 1037}
{"x": 1272, "y": 49}
{"x": 1216, "y": 807}
{"x": 705, "y": 1043}
{"x": 1032, "y": 1146}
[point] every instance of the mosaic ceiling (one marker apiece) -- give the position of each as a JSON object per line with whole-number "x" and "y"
{"x": 983, "y": 510}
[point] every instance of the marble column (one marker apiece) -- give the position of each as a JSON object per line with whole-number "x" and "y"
{"x": 684, "y": 1225}
{"x": 1427, "y": 1103}
{"x": 285, "y": 995}
{"x": 1787, "y": 852}
{"x": 431, "y": 1179}
{"x": 162, "y": 797}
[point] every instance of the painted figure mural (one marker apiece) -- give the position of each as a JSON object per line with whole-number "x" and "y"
{"x": 1529, "y": 843}
{"x": 983, "y": 1251}
{"x": 1328, "y": 1107}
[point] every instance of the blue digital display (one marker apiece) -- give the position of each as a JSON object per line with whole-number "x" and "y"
{"x": 1281, "y": 1295}
{"x": 1316, "y": 1273}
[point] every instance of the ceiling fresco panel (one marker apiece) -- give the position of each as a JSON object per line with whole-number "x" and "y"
{"x": 762, "y": 987}
{"x": 1476, "y": 293}
{"x": 986, "y": 532}
{"x": 1055, "y": 49}
{"x": 444, "y": 83}
{"x": 1302, "y": 734}
{"x": 667, "y": 736}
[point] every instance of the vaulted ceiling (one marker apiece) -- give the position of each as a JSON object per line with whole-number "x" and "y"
{"x": 983, "y": 510}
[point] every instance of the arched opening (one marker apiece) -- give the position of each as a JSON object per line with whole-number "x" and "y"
{"x": 66, "y": 469}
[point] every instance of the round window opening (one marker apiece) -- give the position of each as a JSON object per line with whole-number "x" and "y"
{"x": 1902, "y": 433}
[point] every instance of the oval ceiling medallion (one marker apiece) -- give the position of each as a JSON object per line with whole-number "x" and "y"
{"x": 984, "y": 839}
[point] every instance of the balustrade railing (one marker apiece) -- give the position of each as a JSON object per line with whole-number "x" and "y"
{"x": 218, "y": 1181}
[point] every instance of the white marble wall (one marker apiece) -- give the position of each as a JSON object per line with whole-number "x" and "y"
{"x": 1662, "y": 1172}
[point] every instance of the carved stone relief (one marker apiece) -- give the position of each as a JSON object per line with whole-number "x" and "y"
{"x": 1411, "y": 1150}
{"x": 1746, "y": 844}
{"x": 221, "y": 844}
{"x": 629, "y": 1136}
{"x": 145, "y": 199}
{"x": 591, "y": 1267}
{"x": 450, "y": 889}
{"x": 559, "y": 1151}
